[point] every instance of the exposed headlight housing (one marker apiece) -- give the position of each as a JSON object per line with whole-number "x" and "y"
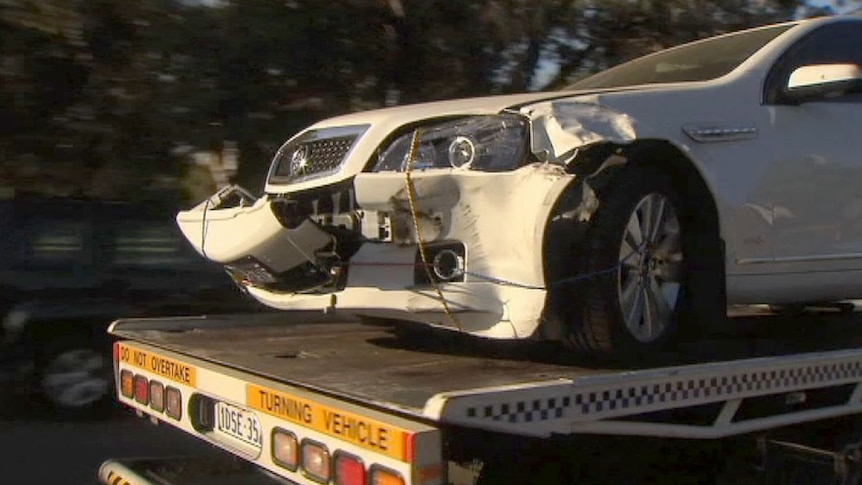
{"x": 490, "y": 143}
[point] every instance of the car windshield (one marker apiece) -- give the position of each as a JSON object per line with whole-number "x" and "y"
{"x": 699, "y": 61}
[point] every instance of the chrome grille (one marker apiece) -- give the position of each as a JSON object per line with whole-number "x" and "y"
{"x": 314, "y": 154}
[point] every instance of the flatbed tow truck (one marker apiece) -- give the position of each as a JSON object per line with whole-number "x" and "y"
{"x": 292, "y": 399}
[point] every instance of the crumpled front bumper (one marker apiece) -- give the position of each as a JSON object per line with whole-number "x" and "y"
{"x": 498, "y": 222}
{"x": 380, "y": 278}
{"x": 477, "y": 307}
{"x": 251, "y": 239}
{"x": 482, "y": 309}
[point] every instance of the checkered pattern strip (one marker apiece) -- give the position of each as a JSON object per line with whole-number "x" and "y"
{"x": 672, "y": 393}
{"x": 523, "y": 411}
{"x": 713, "y": 387}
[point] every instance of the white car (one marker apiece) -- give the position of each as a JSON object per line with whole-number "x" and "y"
{"x": 610, "y": 215}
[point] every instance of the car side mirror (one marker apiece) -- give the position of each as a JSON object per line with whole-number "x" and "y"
{"x": 824, "y": 81}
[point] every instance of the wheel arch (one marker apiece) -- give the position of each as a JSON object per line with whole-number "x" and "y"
{"x": 686, "y": 173}
{"x": 596, "y": 168}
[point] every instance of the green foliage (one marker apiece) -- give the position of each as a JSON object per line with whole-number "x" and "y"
{"x": 98, "y": 95}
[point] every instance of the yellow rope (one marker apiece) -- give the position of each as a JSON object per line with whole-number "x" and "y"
{"x": 411, "y": 197}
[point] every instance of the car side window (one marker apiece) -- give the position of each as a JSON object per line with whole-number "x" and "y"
{"x": 839, "y": 43}
{"x": 149, "y": 244}
{"x": 52, "y": 242}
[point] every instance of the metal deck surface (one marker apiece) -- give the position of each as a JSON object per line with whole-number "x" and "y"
{"x": 386, "y": 367}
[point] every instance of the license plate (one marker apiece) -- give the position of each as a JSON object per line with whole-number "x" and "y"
{"x": 238, "y": 424}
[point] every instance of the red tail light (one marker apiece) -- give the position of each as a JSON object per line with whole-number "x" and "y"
{"x": 142, "y": 390}
{"x": 349, "y": 470}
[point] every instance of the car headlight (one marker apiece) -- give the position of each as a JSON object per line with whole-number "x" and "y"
{"x": 491, "y": 143}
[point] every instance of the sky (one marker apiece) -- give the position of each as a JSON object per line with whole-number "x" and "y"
{"x": 840, "y": 6}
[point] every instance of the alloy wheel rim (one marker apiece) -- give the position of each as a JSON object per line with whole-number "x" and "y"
{"x": 651, "y": 262}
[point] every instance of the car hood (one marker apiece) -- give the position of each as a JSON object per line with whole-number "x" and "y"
{"x": 381, "y": 123}
{"x": 397, "y": 116}
{"x": 548, "y": 136}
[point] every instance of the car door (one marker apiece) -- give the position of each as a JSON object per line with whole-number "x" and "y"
{"x": 159, "y": 271}
{"x": 814, "y": 174}
{"x": 50, "y": 248}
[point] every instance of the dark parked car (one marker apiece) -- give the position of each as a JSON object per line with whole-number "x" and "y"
{"x": 69, "y": 268}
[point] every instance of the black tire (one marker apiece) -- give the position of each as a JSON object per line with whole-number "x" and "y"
{"x": 74, "y": 378}
{"x": 657, "y": 271}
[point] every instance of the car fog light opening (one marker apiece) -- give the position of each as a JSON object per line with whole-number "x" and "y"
{"x": 142, "y": 390}
{"x": 127, "y": 384}
{"x": 157, "y": 396}
{"x": 315, "y": 461}
{"x": 173, "y": 403}
{"x": 448, "y": 265}
{"x": 384, "y": 476}
{"x": 285, "y": 449}
{"x": 349, "y": 469}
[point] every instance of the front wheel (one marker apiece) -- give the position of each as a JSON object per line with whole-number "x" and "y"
{"x": 639, "y": 250}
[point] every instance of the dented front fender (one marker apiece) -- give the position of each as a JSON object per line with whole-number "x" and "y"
{"x": 560, "y": 127}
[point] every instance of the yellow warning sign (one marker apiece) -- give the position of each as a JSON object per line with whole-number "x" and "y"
{"x": 150, "y": 361}
{"x": 356, "y": 429}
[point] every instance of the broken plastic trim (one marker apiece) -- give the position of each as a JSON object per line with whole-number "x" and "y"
{"x": 560, "y": 128}
{"x": 308, "y": 277}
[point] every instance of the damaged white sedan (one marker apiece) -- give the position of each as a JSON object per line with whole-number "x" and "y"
{"x": 637, "y": 202}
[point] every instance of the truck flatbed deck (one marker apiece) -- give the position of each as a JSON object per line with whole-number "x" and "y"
{"x": 529, "y": 387}
{"x": 360, "y": 362}
{"x": 294, "y": 393}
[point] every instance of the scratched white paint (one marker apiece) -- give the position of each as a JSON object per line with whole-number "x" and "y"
{"x": 782, "y": 178}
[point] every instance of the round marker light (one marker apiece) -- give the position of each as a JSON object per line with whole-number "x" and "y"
{"x": 173, "y": 403}
{"x": 127, "y": 384}
{"x": 461, "y": 152}
{"x": 315, "y": 461}
{"x": 142, "y": 390}
{"x": 285, "y": 449}
{"x": 349, "y": 470}
{"x": 384, "y": 476}
{"x": 157, "y": 396}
